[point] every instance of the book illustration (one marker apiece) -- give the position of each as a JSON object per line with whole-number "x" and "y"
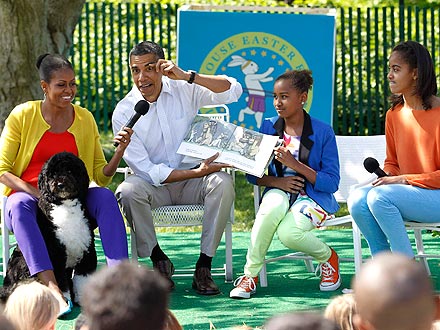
{"x": 208, "y": 132}
{"x": 245, "y": 149}
{"x": 245, "y": 142}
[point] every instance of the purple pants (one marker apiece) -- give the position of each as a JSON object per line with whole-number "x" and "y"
{"x": 21, "y": 219}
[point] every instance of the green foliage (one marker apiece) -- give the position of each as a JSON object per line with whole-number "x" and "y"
{"x": 365, "y": 35}
{"x": 362, "y": 3}
{"x": 204, "y": 2}
{"x": 302, "y": 3}
{"x": 244, "y": 203}
{"x": 102, "y": 40}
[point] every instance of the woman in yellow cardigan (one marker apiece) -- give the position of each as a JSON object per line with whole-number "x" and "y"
{"x": 33, "y": 132}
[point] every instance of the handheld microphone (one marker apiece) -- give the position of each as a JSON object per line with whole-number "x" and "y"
{"x": 141, "y": 108}
{"x": 372, "y": 166}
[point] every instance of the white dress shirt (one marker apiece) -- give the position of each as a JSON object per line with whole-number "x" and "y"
{"x": 157, "y": 135}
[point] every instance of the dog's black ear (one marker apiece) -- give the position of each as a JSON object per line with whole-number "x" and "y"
{"x": 77, "y": 166}
{"x": 84, "y": 177}
{"x": 46, "y": 171}
{"x": 42, "y": 183}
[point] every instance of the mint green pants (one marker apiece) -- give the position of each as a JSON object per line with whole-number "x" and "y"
{"x": 292, "y": 227}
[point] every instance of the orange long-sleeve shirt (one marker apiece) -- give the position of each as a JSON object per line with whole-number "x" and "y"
{"x": 413, "y": 145}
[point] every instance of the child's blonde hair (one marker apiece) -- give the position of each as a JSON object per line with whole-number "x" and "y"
{"x": 341, "y": 310}
{"x": 32, "y": 306}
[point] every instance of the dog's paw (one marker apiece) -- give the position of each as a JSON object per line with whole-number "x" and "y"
{"x": 65, "y": 309}
{"x": 78, "y": 282}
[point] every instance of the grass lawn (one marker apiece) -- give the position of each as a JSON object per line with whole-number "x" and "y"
{"x": 291, "y": 286}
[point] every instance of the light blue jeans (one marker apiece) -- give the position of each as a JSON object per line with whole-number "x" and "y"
{"x": 380, "y": 213}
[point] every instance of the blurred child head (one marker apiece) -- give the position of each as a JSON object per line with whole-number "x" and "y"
{"x": 341, "y": 310}
{"x": 32, "y": 306}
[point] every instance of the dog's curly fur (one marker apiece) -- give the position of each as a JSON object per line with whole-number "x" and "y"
{"x": 65, "y": 226}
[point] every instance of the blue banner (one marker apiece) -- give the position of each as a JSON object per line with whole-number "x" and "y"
{"x": 256, "y": 48}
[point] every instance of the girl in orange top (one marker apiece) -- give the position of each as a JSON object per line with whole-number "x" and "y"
{"x": 411, "y": 190}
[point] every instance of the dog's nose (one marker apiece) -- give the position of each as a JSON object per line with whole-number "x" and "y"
{"x": 60, "y": 185}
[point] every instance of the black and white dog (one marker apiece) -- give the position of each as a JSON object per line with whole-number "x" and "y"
{"x": 65, "y": 226}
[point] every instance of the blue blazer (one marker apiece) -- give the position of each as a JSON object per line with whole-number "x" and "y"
{"x": 318, "y": 150}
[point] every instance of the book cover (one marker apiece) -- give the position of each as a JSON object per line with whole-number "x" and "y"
{"x": 244, "y": 149}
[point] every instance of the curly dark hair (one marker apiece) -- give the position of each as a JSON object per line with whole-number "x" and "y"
{"x": 126, "y": 296}
{"x": 301, "y": 80}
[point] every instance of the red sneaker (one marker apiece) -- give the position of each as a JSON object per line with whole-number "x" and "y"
{"x": 330, "y": 277}
{"x": 245, "y": 286}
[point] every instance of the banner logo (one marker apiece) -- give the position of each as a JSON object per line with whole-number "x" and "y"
{"x": 255, "y": 59}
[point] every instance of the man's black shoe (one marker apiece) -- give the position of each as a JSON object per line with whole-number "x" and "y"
{"x": 203, "y": 282}
{"x": 166, "y": 268}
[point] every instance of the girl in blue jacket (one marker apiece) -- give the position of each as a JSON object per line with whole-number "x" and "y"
{"x": 299, "y": 186}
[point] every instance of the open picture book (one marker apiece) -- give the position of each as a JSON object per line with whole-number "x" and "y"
{"x": 244, "y": 149}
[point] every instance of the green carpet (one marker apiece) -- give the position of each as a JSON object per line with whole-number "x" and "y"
{"x": 291, "y": 287}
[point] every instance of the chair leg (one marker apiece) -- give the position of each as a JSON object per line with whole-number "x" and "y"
{"x": 421, "y": 249}
{"x": 134, "y": 255}
{"x": 309, "y": 265}
{"x": 5, "y": 238}
{"x": 228, "y": 251}
{"x": 5, "y": 247}
{"x": 263, "y": 276}
{"x": 357, "y": 247}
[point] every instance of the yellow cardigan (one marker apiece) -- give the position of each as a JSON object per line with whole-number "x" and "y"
{"x": 24, "y": 128}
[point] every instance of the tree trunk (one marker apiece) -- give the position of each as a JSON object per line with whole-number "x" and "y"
{"x": 29, "y": 28}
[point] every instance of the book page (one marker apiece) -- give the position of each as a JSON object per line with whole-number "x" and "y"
{"x": 249, "y": 151}
{"x": 245, "y": 149}
{"x": 206, "y": 137}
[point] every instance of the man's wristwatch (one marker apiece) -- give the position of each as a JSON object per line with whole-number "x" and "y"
{"x": 191, "y": 77}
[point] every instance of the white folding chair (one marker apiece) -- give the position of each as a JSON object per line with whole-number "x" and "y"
{"x": 184, "y": 216}
{"x": 418, "y": 228}
{"x": 192, "y": 215}
{"x": 355, "y": 149}
{"x": 308, "y": 260}
{"x": 7, "y": 243}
